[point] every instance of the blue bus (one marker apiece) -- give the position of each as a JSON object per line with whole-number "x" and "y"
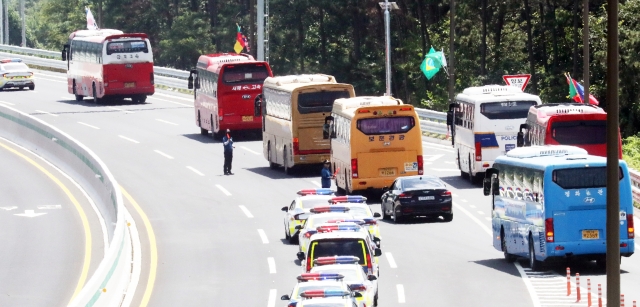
{"x": 549, "y": 203}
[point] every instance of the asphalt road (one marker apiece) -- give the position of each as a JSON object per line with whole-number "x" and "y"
{"x": 219, "y": 239}
{"x": 42, "y": 236}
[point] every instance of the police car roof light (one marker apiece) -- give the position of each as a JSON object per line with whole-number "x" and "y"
{"x": 348, "y": 199}
{"x": 355, "y": 221}
{"x": 329, "y": 209}
{"x": 14, "y": 60}
{"x": 369, "y": 221}
{"x": 315, "y": 192}
{"x": 320, "y": 276}
{"x": 339, "y": 227}
{"x": 324, "y": 293}
{"x": 337, "y": 260}
{"x": 545, "y": 151}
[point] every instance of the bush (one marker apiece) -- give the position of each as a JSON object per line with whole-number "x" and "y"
{"x": 631, "y": 151}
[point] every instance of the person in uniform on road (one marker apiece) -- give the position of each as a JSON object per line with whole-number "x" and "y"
{"x": 326, "y": 175}
{"x": 227, "y": 142}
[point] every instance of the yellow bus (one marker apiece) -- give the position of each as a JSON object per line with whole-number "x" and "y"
{"x": 374, "y": 140}
{"x": 293, "y": 115}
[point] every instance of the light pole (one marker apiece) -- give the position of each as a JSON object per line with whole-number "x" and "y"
{"x": 387, "y": 6}
{"x": 24, "y": 38}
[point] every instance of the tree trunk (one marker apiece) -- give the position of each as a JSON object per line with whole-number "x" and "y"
{"x": 502, "y": 12}
{"x": 323, "y": 39}
{"x": 532, "y": 66}
{"x": 554, "y": 37}
{"x": 212, "y": 6}
{"x": 423, "y": 26}
{"x": 576, "y": 37}
{"x": 483, "y": 51}
{"x": 543, "y": 48}
{"x": 301, "y": 41}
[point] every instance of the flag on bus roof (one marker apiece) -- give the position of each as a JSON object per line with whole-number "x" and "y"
{"x": 240, "y": 42}
{"x": 433, "y": 61}
{"x": 91, "y": 22}
{"x": 246, "y": 43}
{"x": 576, "y": 91}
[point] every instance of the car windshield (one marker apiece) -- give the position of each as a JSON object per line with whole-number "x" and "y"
{"x": 323, "y": 218}
{"x": 424, "y": 183}
{"x": 340, "y": 247}
{"x": 315, "y": 286}
{"x": 351, "y": 275}
{"x": 359, "y": 212}
{"x": 15, "y": 67}
{"x": 324, "y": 305}
{"x": 312, "y": 203}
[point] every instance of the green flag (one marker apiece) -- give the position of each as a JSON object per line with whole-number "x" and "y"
{"x": 432, "y": 63}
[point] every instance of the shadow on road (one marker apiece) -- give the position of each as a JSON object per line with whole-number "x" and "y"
{"x": 500, "y": 265}
{"x": 415, "y": 220}
{"x": 460, "y": 183}
{"x": 306, "y": 171}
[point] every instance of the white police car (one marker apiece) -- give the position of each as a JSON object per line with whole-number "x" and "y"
{"x": 327, "y": 298}
{"x": 356, "y": 279}
{"x": 319, "y": 215}
{"x": 359, "y": 209}
{"x": 315, "y": 281}
{"x": 15, "y": 74}
{"x": 298, "y": 211}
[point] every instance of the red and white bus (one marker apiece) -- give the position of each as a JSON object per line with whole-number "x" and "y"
{"x": 226, "y": 86}
{"x": 109, "y": 63}
{"x": 577, "y": 124}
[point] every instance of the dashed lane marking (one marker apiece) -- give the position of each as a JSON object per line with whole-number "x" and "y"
{"x": 49, "y": 207}
{"x": 166, "y": 122}
{"x": 263, "y": 236}
{"x": 195, "y": 170}
{"x": 221, "y": 188}
{"x": 122, "y": 110}
{"x": 392, "y": 262}
{"x": 45, "y": 112}
{"x": 164, "y": 154}
{"x": 8, "y": 103}
{"x": 246, "y": 211}
{"x": 272, "y": 265}
{"x": 90, "y": 126}
{"x": 400, "y": 289}
{"x": 249, "y": 150}
{"x": 272, "y": 298}
{"x": 172, "y": 96}
{"x": 181, "y": 104}
{"x": 315, "y": 183}
{"x": 128, "y": 139}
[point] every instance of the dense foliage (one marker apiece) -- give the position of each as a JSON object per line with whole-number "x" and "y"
{"x": 346, "y": 38}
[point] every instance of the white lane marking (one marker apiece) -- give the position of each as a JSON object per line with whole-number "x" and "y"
{"x": 431, "y": 157}
{"x": 315, "y": 183}
{"x": 52, "y": 76}
{"x": 463, "y": 200}
{"x": 49, "y": 207}
{"x": 527, "y": 283}
{"x": 8, "y": 103}
{"x": 30, "y": 213}
{"x": 251, "y": 151}
{"x": 118, "y": 109}
{"x": 182, "y": 104}
{"x": 480, "y": 212}
{"x": 400, "y": 289}
{"x": 90, "y": 126}
{"x": 164, "y": 154}
{"x": 166, "y": 122}
{"x": 263, "y": 236}
{"x": 41, "y": 78}
{"x": 195, "y": 170}
{"x": 272, "y": 265}
{"x": 436, "y": 147}
{"x": 45, "y": 112}
{"x": 246, "y": 211}
{"x": 449, "y": 162}
{"x": 272, "y": 298}
{"x": 8, "y": 208}
{"x": 171, "y": 96}
{"x": 446, "y": 169}
{"x": 221, "y": 188}
{"x": 392, "y": 262}
{"x": 128, "y": 139}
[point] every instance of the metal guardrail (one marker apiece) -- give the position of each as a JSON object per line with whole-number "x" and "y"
{"x": 635, "y": 184}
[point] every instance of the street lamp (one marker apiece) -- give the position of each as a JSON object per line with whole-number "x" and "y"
{"x": 387, "y": 6}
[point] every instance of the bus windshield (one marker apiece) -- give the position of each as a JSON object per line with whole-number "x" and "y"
{"x": 582, "y": 178}
{"x": 385, "y": 125}
{"x": 580, "y": 132}
{"x": 506, "y": 109}
{"x": 318, "y": 102}
{"x": 246, "y": 73}
{"x": 127, "y": 47}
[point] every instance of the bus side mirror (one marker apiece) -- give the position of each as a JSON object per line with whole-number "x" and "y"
{"x": 490, "y": 182}
{"x": 190, "y": 80}
{"x": 65, "y": 51}
{"x": 449, "y": 118}
{"x": 520, "y": 139}
{"x": 328, "y": 129}
{"x": 377, "y": 252}
{"x": 486, "y": 186}
{"x": 257, "y": 105}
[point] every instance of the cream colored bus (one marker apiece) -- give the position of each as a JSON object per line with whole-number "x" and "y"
{"x": 293, "y": 114}
{"x": 374, "y": 140}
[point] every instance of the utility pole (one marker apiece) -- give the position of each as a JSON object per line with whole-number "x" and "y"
{"x": 260, "y": 21}
{"x": 452, "y": 50}
{"x": 387, "y": 6}
{"x": 100, "y": 14}
{"x": 585, "y": 49}
{"x": 1, "y": 21}
{"x": 613, "y": 184}
{"x": 24, "y": 38}
{"x": 267, "y": 25}
{"x": 6, "y": 23}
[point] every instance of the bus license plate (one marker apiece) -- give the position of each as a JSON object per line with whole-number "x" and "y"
{"x": 388, "y": 171}
{"x": 426, "y": 197}
{"x": 129, "y": 84}
{"x": 590, "y": 235}
{"x": 247, "y": 118}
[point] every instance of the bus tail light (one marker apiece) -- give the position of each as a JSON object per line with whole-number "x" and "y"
{"x": 296, "y": 146}
{"x": 630, "y": 230}
{"x": 405, "y": 195}
{"x": 420, "y": 165}
{"x": 152, "y": 78}
{"x": 478, "y": 151}
{"x": 219, "y": 115}
{"x": 354, "y": 168}
{"x": 548, "y": 230}
{"x": 105, "y": 80}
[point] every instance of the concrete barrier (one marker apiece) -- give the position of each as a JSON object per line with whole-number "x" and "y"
{"x": 108, "y": 284}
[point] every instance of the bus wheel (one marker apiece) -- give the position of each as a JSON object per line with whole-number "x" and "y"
{"x": 202, "y": 131}
{"x": 508, "y": 257}
{"x": 272, "y": 165}
{"x": 287, "y": 170}
{"x": 214, "y": 135}
{"x": 462, "y": 173}
{"x": 534, "y": 264}
{"x": 472, "y": 178}
{"x": 139, "y": 99}
{"x": 95, "y": 94}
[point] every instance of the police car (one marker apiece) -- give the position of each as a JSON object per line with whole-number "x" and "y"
{"x": 319, "y": 215}
{"x": 359, "y": 209}
{"x": 297, "y": 212}
{"x": 15, "y": 74}
{"x": 315, "y": 281}
{"x": 356, "y": 279}
{"x": 327, "y": 298}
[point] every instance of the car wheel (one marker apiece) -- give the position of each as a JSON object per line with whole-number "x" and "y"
{"x": 534, "y": 264}
{"x": 287, "y": 236}
{"x": 21, "y": 88}
{"x": 448, "y": 217}
{"x": 508, "y": 257}
{"x": 385, "y": 216}
{"x": 375, "y": 299}
{"x": 32, "y": 87}
{"x": 397, "y": 219}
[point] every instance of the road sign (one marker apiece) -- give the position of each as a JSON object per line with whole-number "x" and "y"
{"x": 519, "y": 81}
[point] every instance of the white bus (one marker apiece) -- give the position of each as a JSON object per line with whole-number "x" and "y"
{"x": 484, "y": 123}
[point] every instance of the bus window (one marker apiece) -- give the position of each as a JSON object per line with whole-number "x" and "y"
{"x": 319, "y": 101}
{"x": 127, "y": 47}
{"x": 582, "y": 178}
{"x": 247, "y": 73}
{"x": 506, "y": 109}
{"x": 580, "y": 132}
{"x": 385, "y": 125}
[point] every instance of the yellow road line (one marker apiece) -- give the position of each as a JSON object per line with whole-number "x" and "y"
{"x": 153, "y": 250}
{"x": 83, "y": 217}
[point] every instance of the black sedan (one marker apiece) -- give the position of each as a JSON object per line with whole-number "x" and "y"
{"x": 417, "y": 196}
